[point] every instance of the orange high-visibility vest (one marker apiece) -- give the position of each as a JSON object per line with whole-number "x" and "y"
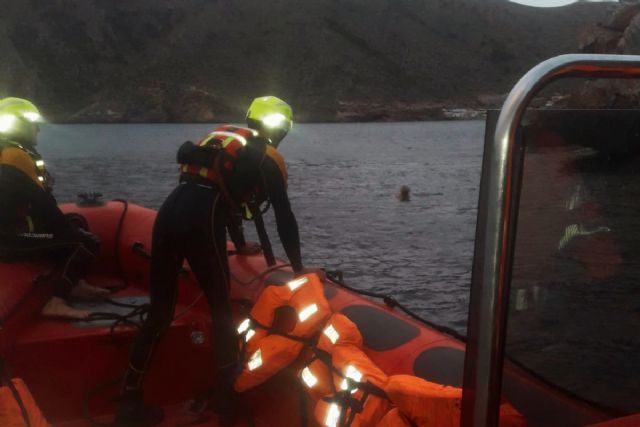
{"x": 230, "y": 139}
{"x": 268, "y": 353}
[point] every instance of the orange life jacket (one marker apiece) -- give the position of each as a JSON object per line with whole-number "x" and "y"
{"x": 30, "y": 164}
{"x": 227, "y": 144}
{"x": 429, "y": 404}
{"x": 360, "y": 400}
{"x": 394, "y": 418}
{"x": 228, "y": 139}
{"x": 10, "y": 412}
{"x": 26, "y": 161}
{"x": 339, "y": 330}
{"x": 317, "y": 375}
{"x": 270, "y": 352}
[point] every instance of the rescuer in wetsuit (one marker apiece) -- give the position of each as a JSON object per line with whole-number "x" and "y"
{"x": 228, "y": 170}
{"x": 32, "y": 227}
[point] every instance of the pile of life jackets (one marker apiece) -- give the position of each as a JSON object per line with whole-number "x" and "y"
{"x": 345, "y": 386}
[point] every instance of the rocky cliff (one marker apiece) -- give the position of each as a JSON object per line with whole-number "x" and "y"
{"x": 203, "y": 60}
{"x": 618, "y": 33}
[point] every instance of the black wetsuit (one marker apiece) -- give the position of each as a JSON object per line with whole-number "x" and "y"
{"x": 191, "y": 225}
{"x": 32, "y": 227}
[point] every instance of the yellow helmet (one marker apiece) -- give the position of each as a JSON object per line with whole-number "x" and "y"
{"x": 271, "y": 116}
{"x": 18, "y": 120}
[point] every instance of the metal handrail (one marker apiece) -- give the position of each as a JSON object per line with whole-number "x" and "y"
{"x": 496, "y": 227}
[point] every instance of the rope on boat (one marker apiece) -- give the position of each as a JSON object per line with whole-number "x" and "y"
{"x": 260, "y": 275}
{"x": 116, "y": 248}
{"x": 390, "y": 301}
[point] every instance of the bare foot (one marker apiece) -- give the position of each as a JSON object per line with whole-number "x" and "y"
{"x": 88, "y": 293}
{"x": 57, "y": 307}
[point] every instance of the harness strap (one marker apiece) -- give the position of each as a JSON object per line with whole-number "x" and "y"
{"x": 267, "y": 250}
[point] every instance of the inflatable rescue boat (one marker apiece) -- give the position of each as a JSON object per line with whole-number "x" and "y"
{"x": 315, "y": 353}
{"x": 73, "y": 370}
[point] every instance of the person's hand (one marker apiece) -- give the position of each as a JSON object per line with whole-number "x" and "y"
{"x": 313, "y": 269}
{"x": 249, "y": 248}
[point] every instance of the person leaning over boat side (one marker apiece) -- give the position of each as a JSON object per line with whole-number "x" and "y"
{"x": 226, "y": 169}
{"x": 32, "y": 227}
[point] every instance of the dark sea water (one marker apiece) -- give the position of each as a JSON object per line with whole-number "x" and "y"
{"x": 343, "y": 179}
{"x": 574, "y": 312}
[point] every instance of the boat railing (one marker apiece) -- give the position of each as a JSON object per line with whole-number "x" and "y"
{"x": 496, "y": 227}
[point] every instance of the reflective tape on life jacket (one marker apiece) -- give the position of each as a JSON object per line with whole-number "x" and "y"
{"x": 305, "y": 294}
{"x": 345, "y": 410}
{"x": 229, "y": 136}
{"x": 360, "y": 400}
{"x": 30, "y": 163}
{"x": 268, "y": 351}
{"x": 354, "y": 364}
{"x": 318, "y": 379}
{"x": 231, "y": 139}
{"x": 428, "y": 404}
{"x": 274, "y": 353}
{"x": 339, "y": 330}
{"x": 43, "y": 175}
{"x": 317, "y": 375}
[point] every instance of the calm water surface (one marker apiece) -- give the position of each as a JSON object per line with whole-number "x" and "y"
{"x": 342, "y": 183}
{"x": 580, "y": 333}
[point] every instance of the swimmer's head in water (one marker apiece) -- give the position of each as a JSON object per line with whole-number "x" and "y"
{"x": 403, "y": 195}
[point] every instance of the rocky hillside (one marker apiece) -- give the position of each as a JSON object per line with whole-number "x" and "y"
{"x": 618, "y": 33}
{"x": 203, "y": 60}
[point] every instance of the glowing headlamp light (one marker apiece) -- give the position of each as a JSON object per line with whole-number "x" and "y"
{"x": 31, "y": 116}
{"x": 273, "y": 120}
{"x": 7, "y": 121}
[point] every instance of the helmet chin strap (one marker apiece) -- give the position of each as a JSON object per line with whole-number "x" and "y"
{"x": 276, "y": 137}
{"x": 268, "y": 134}
{"x": 274, "y": 144}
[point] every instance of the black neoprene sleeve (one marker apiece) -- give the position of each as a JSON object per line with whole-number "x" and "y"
{"x": 285, "y": 219}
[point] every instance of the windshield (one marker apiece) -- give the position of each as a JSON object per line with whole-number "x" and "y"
{"x": 574, "y": 311}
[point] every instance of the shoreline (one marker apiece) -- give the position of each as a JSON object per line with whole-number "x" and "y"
{"x": 395, "y": 116}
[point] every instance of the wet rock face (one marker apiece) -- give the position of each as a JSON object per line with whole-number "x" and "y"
{"x": 619, "y": 33}
{"x": 630, "y": 41}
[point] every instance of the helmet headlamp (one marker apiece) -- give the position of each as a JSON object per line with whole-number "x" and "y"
{"x": 273, "y": 120}
{"x": 7, "y": 121}
{"x": 31, "y": 116}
